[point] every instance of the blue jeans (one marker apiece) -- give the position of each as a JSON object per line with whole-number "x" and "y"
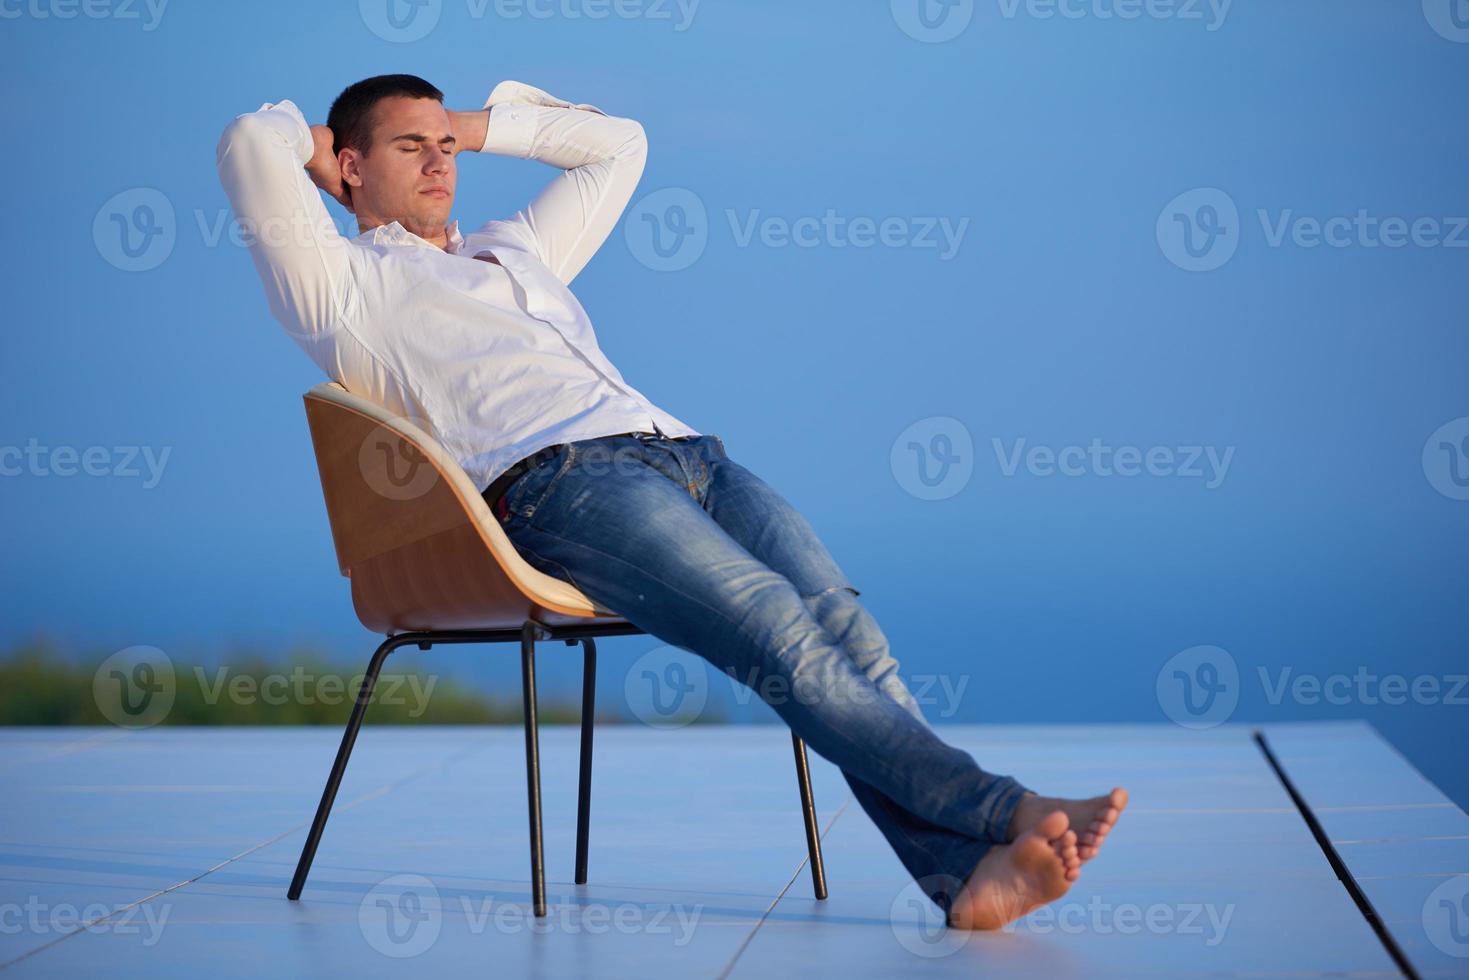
{"x": 696, "y": 550}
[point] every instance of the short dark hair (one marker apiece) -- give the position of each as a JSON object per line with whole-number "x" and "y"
{"x": 350, "y": 118}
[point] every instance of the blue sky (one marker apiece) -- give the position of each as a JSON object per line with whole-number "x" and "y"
{"x": 1078, "y": 163}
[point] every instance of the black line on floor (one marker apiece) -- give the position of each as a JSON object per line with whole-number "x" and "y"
{"x": 1364, "y": 904}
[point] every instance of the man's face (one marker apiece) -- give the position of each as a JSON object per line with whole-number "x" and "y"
{"x": 408, "y": 174}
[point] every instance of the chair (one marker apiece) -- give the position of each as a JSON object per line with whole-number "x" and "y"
{"x": 429, "y": 564}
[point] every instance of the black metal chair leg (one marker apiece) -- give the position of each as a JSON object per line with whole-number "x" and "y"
{"x": 584, "y": 777}
{"x": 344, "y": 752}
{"x": 808, "y": 812}
{"x": 528, "y": 636}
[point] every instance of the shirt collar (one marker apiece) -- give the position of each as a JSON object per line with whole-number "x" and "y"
{"x": 394, "y": 233}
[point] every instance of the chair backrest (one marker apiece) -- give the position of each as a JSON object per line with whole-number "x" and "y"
{"x": 414, "y": 534}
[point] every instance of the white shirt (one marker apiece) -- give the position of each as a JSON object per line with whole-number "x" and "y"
{"x": 495, "y": 361}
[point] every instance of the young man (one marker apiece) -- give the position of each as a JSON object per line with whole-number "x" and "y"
{"x": 478, "y": 338}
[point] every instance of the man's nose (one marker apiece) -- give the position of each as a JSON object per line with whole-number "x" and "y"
{"x": 437, "y": 162}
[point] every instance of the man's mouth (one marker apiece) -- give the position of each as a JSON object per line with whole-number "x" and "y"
{"x": 436, "y": 191}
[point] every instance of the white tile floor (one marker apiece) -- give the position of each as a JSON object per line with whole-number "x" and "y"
{"x": 189, "y": 837}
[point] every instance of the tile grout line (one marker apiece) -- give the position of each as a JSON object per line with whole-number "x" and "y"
{"x": 805, "y": 861}
{"x": 1343, "y": 873}
{"x": 90, "y": 742}
{"x": 372, "y": 794}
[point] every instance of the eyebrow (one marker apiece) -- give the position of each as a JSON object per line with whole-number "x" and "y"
{"x": 420, "y": 138}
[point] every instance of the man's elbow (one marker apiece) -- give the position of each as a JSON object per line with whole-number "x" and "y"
{"x": 634, "y": 140}
{"x": 243, "y": 135}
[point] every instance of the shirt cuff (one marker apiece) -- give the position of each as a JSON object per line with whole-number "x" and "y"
{"x": 286, "y": 119}
{"x": 514, "y": 108}
{"x": 512, "y": 130}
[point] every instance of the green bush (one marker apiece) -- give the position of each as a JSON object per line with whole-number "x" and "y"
{"x": 40, "y": 687}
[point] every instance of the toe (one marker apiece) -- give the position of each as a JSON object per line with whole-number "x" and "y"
{"x": 1052, "y": 825}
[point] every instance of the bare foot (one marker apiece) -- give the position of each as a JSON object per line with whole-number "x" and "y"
{"x": 1092, "y": 819}
{"x": 1014, "y": 879}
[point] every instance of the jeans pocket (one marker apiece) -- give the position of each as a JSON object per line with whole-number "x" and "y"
{"x": 531, "y": 488}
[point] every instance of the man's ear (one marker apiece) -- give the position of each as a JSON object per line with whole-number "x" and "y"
{"x": 350, "y": 166}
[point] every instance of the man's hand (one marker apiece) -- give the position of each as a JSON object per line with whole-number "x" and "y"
{"x": 323, "y": 169}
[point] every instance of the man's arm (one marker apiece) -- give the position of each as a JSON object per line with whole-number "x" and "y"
{"x": 263, "y": 159}
{"x": 601, "y": 156}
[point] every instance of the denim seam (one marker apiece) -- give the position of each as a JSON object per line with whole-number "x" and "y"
{"x": 546, "y": 493}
